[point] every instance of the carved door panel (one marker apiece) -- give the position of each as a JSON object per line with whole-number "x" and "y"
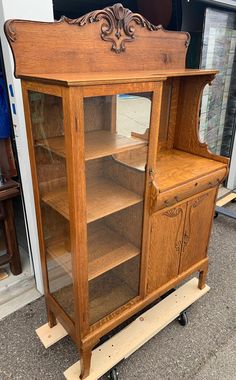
{"x": 166, "y": 236}
{"x": 197, "y": 229}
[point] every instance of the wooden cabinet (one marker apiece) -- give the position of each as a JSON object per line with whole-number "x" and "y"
{"x": 124, "y": 190}
{"x": 179, "y": 238}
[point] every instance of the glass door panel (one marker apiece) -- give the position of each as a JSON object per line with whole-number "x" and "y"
{"x": 49, "y": 146}
{"x": 116, "y": 146}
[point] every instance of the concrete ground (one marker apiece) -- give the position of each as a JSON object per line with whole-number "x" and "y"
{"x": 203, "y": 350}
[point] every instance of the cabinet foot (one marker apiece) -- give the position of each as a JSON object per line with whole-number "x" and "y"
{"x": 202, "y": 279}
{"x": 51, "y": 319}
{"x": 85, "y": 362}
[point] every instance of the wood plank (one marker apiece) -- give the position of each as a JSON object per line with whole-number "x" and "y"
{"x": 49, "y": 336}
{"x": 139, "y": 332}
{"x": 76, "y": 79}
{"x": 97, "y": 144}
{"x": 175, "y": 167}
{"x": 103, "y": 198}
{"x": 106, "y": 248}
{"x": 226, "y": 199}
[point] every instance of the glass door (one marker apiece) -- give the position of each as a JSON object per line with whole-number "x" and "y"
{"x": 46, "y": 113}
{"x": 116, "y": 147}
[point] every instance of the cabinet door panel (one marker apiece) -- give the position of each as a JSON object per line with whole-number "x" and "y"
{"x": 165, "y": 245}
{"x": 197, "y": 229}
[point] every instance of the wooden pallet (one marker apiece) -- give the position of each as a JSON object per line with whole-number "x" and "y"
{"x": 226, "y": 199}
{"x": 127, "y": 341}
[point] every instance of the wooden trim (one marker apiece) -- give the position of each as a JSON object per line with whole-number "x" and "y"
{"x": 50, "y": 89}
{"x": 150, "y": 176}
{"x": 36, "y": 191}
{"x": 187, "y": 126}
{"x": 113, "y": 89}
{"x": 74, "y": 142}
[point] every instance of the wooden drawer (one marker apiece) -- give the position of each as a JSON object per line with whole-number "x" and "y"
{"x": 173, "y": 196}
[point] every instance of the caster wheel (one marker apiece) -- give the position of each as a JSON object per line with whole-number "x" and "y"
{"x": 113, "y": 375}
{"x": 216, "y": 214}
{"x": 183, "y": 319}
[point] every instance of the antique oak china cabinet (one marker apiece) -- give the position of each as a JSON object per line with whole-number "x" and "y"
{"x": 124, "y": 190}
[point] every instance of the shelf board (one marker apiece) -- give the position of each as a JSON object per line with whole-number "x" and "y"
{"x": 106, "y": 294}
{"x": 106, "y": 250}
{"x": 175, "y": 167}
{"x": 104, "y": 197}
{"x": 133, "y": 159}
{"x": 98, "y": 144}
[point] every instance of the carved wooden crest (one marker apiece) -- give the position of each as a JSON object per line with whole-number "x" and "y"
{"x": 118, "y": 25}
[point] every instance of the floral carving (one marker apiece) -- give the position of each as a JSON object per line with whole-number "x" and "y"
{"x": 172, "y": 213}
{"x": 199, "y": 200}
{"x": 118, "y": 25}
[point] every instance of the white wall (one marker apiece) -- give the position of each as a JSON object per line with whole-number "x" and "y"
{"x": 30, "y": 10}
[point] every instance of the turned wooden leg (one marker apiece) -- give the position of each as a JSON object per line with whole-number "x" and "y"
{"x": 85, "y": 362}
{"x": 202, "y": 278}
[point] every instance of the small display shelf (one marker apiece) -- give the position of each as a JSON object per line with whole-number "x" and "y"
{"x": 106, "y": 249}
{"x": 97, "y": 144}
{"x": 104, "y": 197}
{"x": 173, "y": 167}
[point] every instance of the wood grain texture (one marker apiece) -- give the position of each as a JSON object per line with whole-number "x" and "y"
{"x": 185, "y": 190}
{"x": 175, "y": 167}
{"x": 186, "y": 133}
{"x": 94, "y": 41}
{"x": 166, "y": 234}
{"x": 106, "y": 250}
{"x": 120, "y": 77}
{"x": 199, "y": 216}
{"x": 97, "y": 144}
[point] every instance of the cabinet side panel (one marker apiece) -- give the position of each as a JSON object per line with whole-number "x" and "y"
{"x": 197, "y": 229}
{"x": 165, "y": 246}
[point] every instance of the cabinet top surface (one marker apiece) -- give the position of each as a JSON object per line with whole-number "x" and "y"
{"x": 93, "y": 78}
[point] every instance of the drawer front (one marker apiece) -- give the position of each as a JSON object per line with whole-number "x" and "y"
{"x": 180, "y": 193}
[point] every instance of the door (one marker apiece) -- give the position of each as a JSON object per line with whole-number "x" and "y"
{"x": 166, "y": 235}
{"x": 199, "y": 215}
{"x": 116, "y": 152}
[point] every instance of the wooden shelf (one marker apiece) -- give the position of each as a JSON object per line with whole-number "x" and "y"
{"x": 106, "y": 294}
{"x": 175, "y": 167}
{"x": 97, "y": 144}
{"x": 104, "y": 197}
{"x": 134, "y": 159}
{"x": 106, "y": 250}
